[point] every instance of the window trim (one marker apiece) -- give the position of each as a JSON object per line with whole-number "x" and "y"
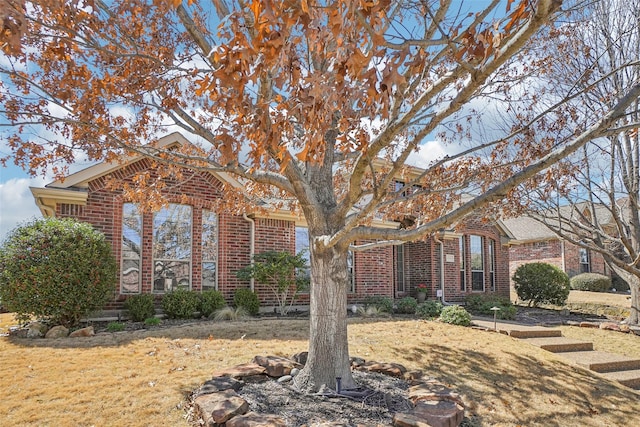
{"x": 462, "y": 248}
{"x": 492, "y": 264}
{"x": 482, "y": 263}
{"x": 202, "y": 260}
{"x": 155, "y": 260}
{"x": 123, "y": 258}
{"x": 585, "y": 267}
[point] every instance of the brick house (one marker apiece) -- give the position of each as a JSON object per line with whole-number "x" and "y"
{"x": 193, "y": 245}
{"x": 531, "y": 241}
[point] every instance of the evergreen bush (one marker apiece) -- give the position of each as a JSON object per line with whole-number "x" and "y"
{"x": 407, "y": 305}
{"x": 140, "y": 307}
{"x": 382, "y": 303}
{"x": 592, "y": 282}
{"x": 429, "y": 309}
{"x": 483, "y": 303}
{"x": 58, "y": 270}
{"x": 211, "y": 301}
{"x": 180, "y": 304}
{"x": 455, "y": 315}
{"x": 541, "y": 283}
{"x": 247, "y": 300}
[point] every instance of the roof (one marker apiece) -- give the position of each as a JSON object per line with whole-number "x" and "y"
{"x": 525, "y": 229}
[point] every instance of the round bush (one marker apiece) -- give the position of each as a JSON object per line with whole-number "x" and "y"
{"x": 140, "y": 307}
{"x": 382, "y": 303}
{"x": 455, "y": 315}
{"x": 592, "y": 282}
{"x": 59, "y": 270}
{"x": 180, "y": 304}
{"x": 247, "y": 300}
{"x": 211, "y": 301}
{"x": 407, "y": 305}
{"x": 429, "y": 309}
{"x": 541, "y": 283}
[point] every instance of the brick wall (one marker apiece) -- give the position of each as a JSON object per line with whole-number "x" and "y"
{"x": 373, "y": 274}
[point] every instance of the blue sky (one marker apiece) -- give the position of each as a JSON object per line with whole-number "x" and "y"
{"x": 17, "y": 204}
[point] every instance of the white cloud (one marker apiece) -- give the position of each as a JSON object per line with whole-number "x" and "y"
{"x": 17, "y": 204}
{"x": 428, "y": 152}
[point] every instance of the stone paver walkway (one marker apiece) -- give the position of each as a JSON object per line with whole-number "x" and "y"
{"x": 625, "y": 370}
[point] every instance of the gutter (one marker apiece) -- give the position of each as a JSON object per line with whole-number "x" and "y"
{"x": 441, "y": 243}
{"x": 252, "y": 247}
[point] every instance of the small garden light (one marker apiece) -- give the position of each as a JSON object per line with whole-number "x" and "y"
{"x": 495, "y": 315}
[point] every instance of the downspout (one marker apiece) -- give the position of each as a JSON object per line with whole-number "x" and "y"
{"x": 252, "y": 246}
{"x": 441, "y": 243}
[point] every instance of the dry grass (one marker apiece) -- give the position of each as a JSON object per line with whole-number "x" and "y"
{"x": 143, "y": 378}
{"x": 604, "y": 298}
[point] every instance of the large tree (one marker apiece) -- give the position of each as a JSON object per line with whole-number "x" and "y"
{"x": 317, "y": 104}
{"x": 598, "y": 209}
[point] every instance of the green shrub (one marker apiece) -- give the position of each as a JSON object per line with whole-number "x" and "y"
{"x": 429, "y": 309}
{"x": 483, "y": 303}
{"x": 211, "y": 301}
{"x": 280, "y": 272}
{"x": 455, "y": 315}
{"x": 592, "y": 282}
{"x": 248, "y": 300}
{"x": 140, "y": 307}
{"x": 59, "y": 270}
{"x": 407, "y": 305}
{"x": 152, "y": 321}
{"x": 541, "y": 283}
{"x": 115, "y": 327}
{"x": 180, "y": 304}
{"x": 229, "y": 313}
{"x": 619, "y": 284}
{"x": 382, "y": 303}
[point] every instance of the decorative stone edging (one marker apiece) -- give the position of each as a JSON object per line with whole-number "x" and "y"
{"x": 217, "y": 402}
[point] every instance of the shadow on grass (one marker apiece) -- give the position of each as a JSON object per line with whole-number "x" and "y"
{"x": 508, "y": 387}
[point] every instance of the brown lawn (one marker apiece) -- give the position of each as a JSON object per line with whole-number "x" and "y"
{"x": 143, "y": 378}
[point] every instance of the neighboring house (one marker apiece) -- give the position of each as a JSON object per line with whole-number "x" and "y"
{"x": 531, "y": 241}
{"x": 192, "y": 244}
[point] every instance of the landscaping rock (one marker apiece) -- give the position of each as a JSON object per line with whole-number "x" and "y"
{"x": 433, "y": 390}
{"x": 610, "y": 326}
{"x": 242, "y": 371}
{"x": 251, "y": 419}
{"x": 441, "y": 413}
{"x": 84, "y": 332}
{"x": 294, "y": 372}
{"x": 625, "y": 328}
{"x": 589, "y": 324}
{"x": 301, "y": 357}
{"x": 217, "y": 384}
{"x": 409, "y": 420}
{"x": 36, "y": 330}
{"x": 217, "y": 408}
{"x": 276, "y": 366}
{"x": 285, "y": 378}
{"x": 57, "y": 332}
{"x": 391, "y": 369}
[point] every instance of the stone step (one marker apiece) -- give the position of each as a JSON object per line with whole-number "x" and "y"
{"x": 559, "y": 344}
{"x": 600, "y": 361}
{"x": 535, "y": 333}
{"x": 629, "y": 378}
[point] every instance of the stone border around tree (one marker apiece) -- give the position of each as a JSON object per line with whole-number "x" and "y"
{"x": 217, "y": 403}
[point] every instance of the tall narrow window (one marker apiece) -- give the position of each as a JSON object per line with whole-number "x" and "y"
{"x": 492, "y": 264}
{"x": 463, "y": 270}
{"x": 400, "y": 285}
{"x": 209, "y": 250}
{"x": 585, "y": 261}
{"x": 172, "y": 248}
{"x": 131, "y": 249}
{"x": 351, "y": 273}
{"x": 476, "y": 249}
{"x": 302, "y": 244}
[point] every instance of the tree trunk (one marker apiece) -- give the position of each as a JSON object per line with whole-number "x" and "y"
{"x": 328, "y": 344}
{"x": 634, "y": 285}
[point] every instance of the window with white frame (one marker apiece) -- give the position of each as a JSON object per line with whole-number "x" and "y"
{"x": 476, "y": 251}
{"x": 172, "y": 236}
{"x": 209, "y": 250}
{"x": 130, "y": 276}
{"x": 492, "y": 264}
{"x": 351, "y": 272}
{"x": 463, "y": 263}
{"x": 585, "y": 261}
{"x": 302, "y": 244}
{"x": 400, "y": 276}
